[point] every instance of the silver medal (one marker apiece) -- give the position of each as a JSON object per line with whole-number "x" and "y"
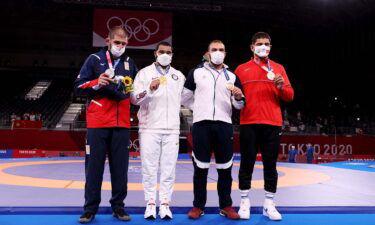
{"x": 271, "y": 75}
{"x": 110, "y": 73}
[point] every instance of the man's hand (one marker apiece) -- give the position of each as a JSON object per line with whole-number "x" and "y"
{"x": 104, "y": 80}
{"x": 237, "y": 93}
{"x": 154, "y": 84}
{"x": 279, "y": 81}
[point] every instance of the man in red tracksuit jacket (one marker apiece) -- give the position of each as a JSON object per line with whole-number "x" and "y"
{"x": 105, "y": 78}
{"x": 265, "y": 83}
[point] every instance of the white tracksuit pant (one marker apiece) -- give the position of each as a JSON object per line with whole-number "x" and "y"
{"x": 158, "y": 151}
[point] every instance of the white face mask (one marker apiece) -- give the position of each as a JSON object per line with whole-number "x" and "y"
{"x": 164, "y": 59}
{"x": 217, "y": 57}
{"x": 262, "y": 50}
{"x": 117, "y": 51}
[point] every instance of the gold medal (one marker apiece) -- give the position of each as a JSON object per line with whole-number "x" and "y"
{"x": 230, "y": 86}
{"x": 163, "y": 80}
{"x": 271, "y": 75}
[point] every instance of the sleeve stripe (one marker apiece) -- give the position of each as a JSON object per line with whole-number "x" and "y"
{"x": 88, "y": 84}
{"x": 96, "y": 56}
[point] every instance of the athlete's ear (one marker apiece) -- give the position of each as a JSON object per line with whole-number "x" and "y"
{"x": 155, "y": 54}
{"x": 207, "y": 54}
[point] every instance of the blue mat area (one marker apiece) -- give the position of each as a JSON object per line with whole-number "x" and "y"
{"x": 290, "y": 219}
{"x": 368, "y": 166}
{"x": 184, "y": 210}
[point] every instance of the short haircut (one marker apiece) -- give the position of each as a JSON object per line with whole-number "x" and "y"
{"x": 214, "y": 41}
{"x": 119, "y": 31}
{"x": 260, "y": 35}
{"x": 164, "y": 43}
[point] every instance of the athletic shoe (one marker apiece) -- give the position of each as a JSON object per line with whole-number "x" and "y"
{"x": 270, "y": 210}
{"x": 150, "y": 212}
{"x": 121, "y": 214}
{"x": 164, "y": 211}
{"x": 229, "y": 213}
{"x": 244, "y": 210}
{"x": 86, "y": 217}
{"x": 195, "y": 213}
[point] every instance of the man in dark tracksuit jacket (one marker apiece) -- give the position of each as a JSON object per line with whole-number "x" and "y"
{"x": 108, "y": 122}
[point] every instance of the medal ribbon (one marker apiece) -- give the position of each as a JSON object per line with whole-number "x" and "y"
{"x": 269, "y": 69}
{"x": 110, "y": 61}
{"x": 160, "y": 70}
{"x": 224, "y": 70}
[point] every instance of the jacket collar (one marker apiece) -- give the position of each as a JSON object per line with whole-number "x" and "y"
{"x": 208, "y": 66}
{"x": 260, "y": 61}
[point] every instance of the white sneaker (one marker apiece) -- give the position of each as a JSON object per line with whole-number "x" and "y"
{"x": 270, "y": 210}
{"x": 164, "y": 211}
{"x": 244, "y": 210}
{"x": 150, "y": 212}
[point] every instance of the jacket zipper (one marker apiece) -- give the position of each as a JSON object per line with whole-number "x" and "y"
{"x": 214, "y": 100}
{"x": 213, "y": 116}
{"x": 215, "y": 80}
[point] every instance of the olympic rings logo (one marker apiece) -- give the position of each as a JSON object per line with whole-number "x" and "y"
{"x": 135, "y": 27}
{"x": 134, "y": 144}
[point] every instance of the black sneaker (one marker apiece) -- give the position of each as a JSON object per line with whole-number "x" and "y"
{"x": 86, "y": 217}
{"x": 121, "y": 214}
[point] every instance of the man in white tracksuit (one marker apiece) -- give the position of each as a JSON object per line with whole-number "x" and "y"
{"x": 215, "y": 90}
{"x": 157, "y": 90}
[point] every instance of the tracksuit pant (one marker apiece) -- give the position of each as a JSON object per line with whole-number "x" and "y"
{"x": 158, "y": 151}
{"x": 100, "y": 143}
{"x": 266, "y": 138}
{"x": 208, "y": 137}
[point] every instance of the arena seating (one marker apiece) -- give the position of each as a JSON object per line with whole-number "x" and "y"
{"x": 51, "y": 104}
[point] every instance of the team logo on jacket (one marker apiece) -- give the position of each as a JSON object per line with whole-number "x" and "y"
{"x": 126, "y": 65}
{"x": 141, "y": 95}
{"x": 174, "y": 77}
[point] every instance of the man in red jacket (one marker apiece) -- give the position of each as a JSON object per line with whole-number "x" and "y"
{"x": 106, "y": 79}
{"x": 265, "y": 83}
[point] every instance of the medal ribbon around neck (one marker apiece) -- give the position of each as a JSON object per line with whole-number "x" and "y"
{"x": 269, "y": 70}
{"x": 160, "y": 70}
{"x": 110, "y": 61}
{"x": 229, "y": 86}
{"x": 224, "y": 70}
{"x": 162, "y": 78}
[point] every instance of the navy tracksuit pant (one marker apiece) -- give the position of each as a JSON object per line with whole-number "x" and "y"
{"x": 100, "y": 143}
{"x": 217, "y": 137}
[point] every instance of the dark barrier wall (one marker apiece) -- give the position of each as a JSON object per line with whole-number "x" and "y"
{"x": 75, "y": 140}
{"x": 323, "y": 145}
{"x": 58, "y": 140}
{"x": 42, "y": 139}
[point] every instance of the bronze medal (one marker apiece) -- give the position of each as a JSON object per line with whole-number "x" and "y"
{"x": 230, "y": 86}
